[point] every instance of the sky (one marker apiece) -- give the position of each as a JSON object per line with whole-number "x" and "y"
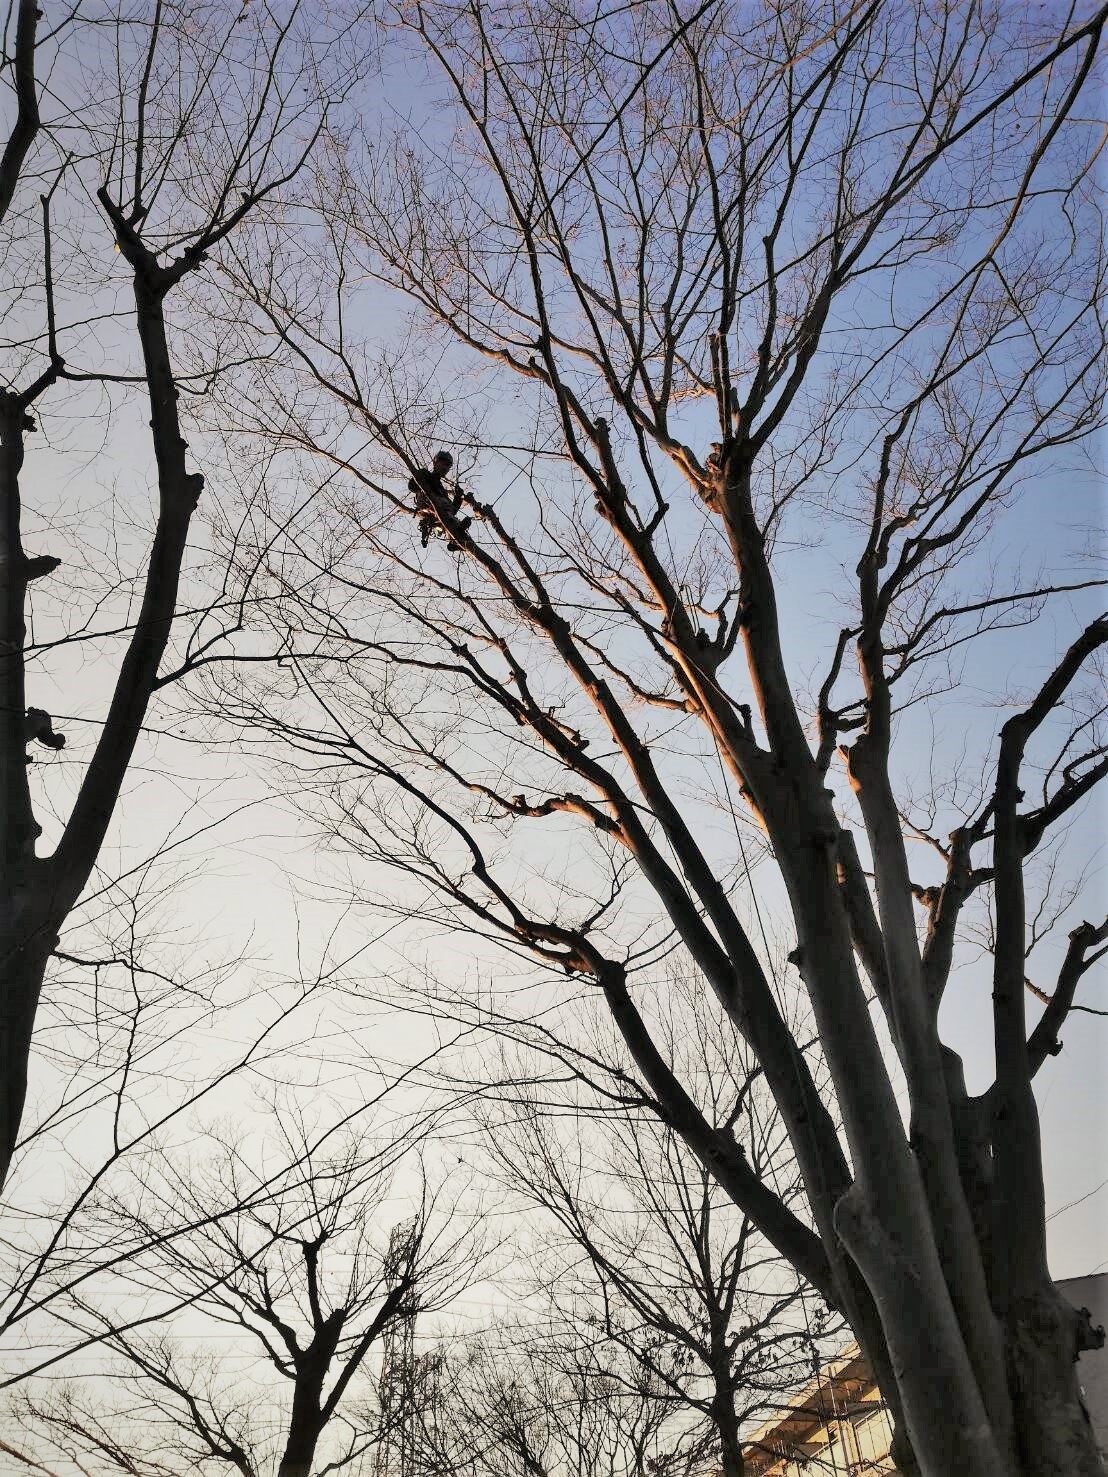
{"x": 259, "y": 886}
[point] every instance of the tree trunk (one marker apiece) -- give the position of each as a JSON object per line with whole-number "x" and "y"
{"x": 724, "y": 1417}
{"x": 1045, "y": 1336}
{"x": 26, "y": 943}
{"x": 25, "y": 938}
{"x": 305, "y": 1425}
{"x": 884, "y": 1218}
{"x": 36, "y": 895}
{"x": 299, "y": 1454}
{"x": 947, "y": 1425}
{"x": 308, "y": 1416}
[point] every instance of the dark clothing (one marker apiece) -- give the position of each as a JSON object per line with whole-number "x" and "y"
{"x": 434, "y": 502}
{"x": 428, "y": 487}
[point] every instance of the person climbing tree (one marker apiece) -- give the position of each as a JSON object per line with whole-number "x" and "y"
{"x": 434, "y": 502}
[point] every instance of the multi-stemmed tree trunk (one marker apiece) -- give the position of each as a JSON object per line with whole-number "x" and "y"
{"x": 813, "y": 236}
{"x": 165, "y": 204}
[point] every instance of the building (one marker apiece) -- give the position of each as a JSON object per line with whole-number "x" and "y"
{"x": 837, "y": 1426}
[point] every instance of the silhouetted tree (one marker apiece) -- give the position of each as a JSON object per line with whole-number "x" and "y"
{"x": 157, "y": 129}
{"x": 641, "y": 1252}
{"x": 303, "y": 1263}
{"x": 759, "y": 276}
{"x": 536, "y": 1400}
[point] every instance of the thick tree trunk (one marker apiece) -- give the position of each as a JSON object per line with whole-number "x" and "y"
{"x": 945, "y": 1418}
{"x": 299, "y": 1453}
{"x": 914, "y": 1019}
{"x": 1045, "y": 1335}
{"x": 884, "y": 1219}
{"x": 309, "y": 1414}
{"x": 724, "y": 1417}
{"x": 305, "y": 1424}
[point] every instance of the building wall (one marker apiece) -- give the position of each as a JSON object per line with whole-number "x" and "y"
{"x": 856, "y": 1446}
{"x": 837, "y": 1427}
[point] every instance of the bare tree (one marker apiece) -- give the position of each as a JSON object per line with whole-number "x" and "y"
{"x": 761, "y": 277}
{"x": 533, "y": 1399}
{"x": 157, "y": 130}
{"x": 304, "y": 1265}
{"x": 126, "y": 1062}
{"x": 645, "y": 1256}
